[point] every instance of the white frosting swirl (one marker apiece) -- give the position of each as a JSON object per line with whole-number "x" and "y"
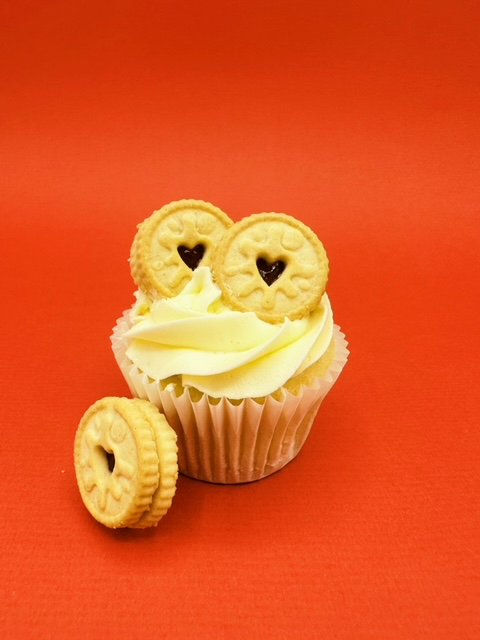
{"x": 219, "y": 351}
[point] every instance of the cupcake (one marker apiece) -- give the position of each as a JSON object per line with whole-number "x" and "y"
{"x": 231, "y": 336}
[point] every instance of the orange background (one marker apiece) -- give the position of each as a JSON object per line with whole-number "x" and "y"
{"x": 362, "y": 120}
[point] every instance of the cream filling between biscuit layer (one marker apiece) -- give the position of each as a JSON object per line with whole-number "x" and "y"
{"x": 219, "y": 351}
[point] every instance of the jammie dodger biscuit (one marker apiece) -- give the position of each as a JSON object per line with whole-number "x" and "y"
{"x": 116, "y": 461}
{"x": 272, "y": 264}
{"x": 173, "y": 242}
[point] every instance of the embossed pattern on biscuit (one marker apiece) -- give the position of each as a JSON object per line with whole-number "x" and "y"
{"x": 174, "y": 241}
{"x": 272, "y": 264}
{"x": 116, "y": 462}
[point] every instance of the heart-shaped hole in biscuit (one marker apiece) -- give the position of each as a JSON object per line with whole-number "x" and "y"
{"x": 110, "y": 461}
{"x": 110, "y": 458}
{"x": 191, "y": 257}
{"x": 106, "y": 457}
{"x": 270, "y": 271}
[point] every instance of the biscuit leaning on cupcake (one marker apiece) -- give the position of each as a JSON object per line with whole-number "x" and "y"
{"x": 231, "y": 338}
{"x": 126, "y": 462}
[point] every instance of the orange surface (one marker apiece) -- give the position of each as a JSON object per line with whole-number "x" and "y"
{"x": 362, "y": 120}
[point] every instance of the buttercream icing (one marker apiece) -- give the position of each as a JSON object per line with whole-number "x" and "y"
{"x": 219, "y": 351}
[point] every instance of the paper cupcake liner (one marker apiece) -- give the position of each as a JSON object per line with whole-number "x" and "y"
{"x": 229, "y": 442}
